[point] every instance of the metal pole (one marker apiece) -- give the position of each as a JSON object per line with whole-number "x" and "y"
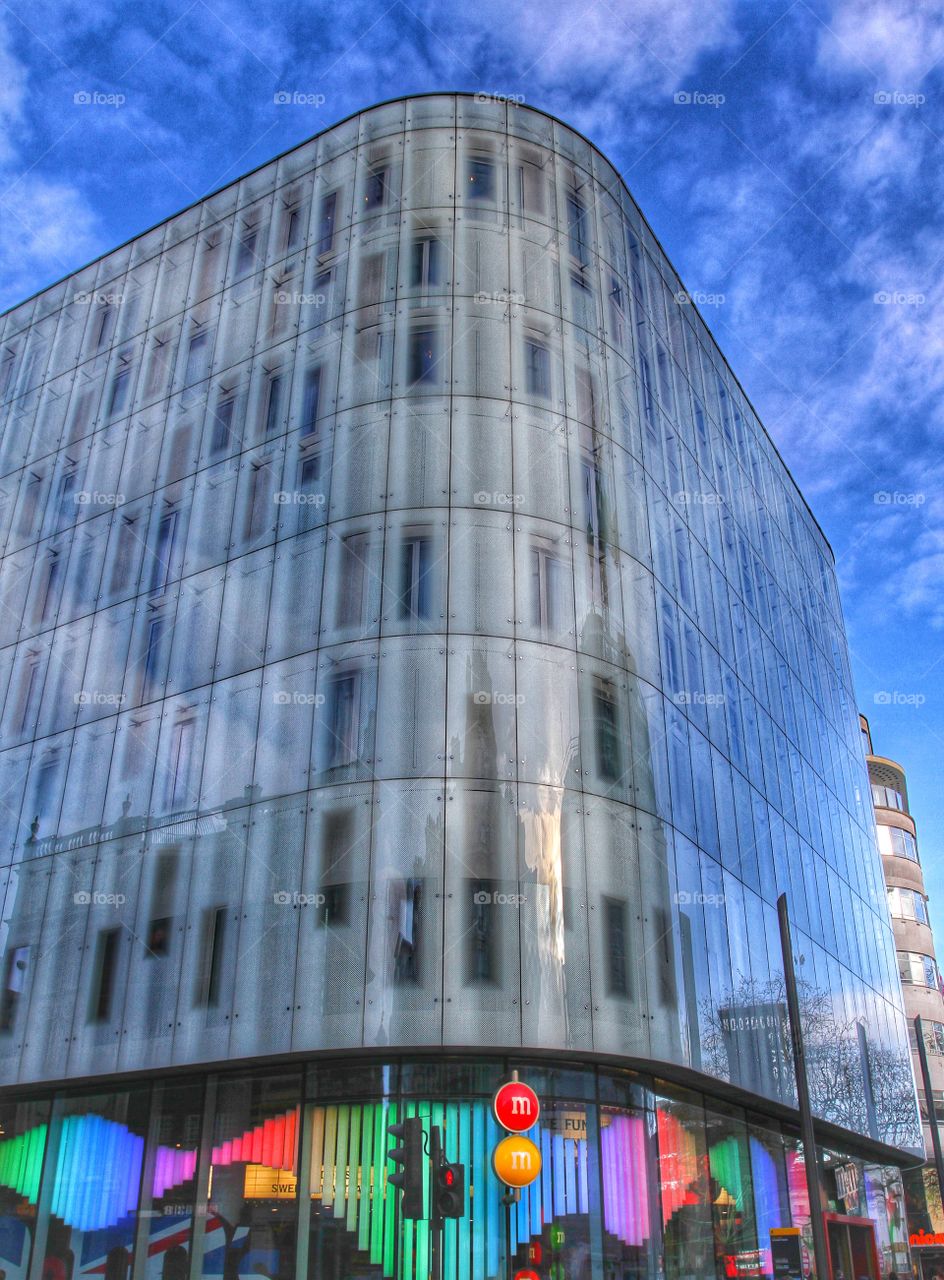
{"x": 929, "y": 1102}
{"x": 807, "y": 1133}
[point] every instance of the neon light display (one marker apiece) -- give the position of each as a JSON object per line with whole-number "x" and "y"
{"x": 172, "y": 1166}
{"x": 625, "y": 1179}
{"x": 98, "y": 1172}
{"x": 273, "y": 1143}
{"x": 21, "y": 1162}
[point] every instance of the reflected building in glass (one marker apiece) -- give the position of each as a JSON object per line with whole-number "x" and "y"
{"x": 920, "y": 983}
{"x": 418, "y": 665}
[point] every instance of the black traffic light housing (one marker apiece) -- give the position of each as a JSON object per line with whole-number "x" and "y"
{"x": 409, "y": 1155}
{"x": 449, "y": 1191}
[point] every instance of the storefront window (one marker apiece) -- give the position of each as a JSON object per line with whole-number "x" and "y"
{"x": 24, "y": 1128}
{"x": 253, "y": 1179}
{"x": 91, "y": 1189}
{"x": 687, "y": 1190}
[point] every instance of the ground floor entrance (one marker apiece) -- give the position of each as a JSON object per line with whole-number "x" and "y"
{"x": 852, "y": 1250}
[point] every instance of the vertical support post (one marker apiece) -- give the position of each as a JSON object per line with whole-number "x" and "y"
{"x": 807, "y": 1133}
{"x": 929, "y": 1102}
{"x": 436, "y": 1222}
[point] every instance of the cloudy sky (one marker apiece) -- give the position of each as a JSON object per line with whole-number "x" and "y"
{"x": 790, "y": 157}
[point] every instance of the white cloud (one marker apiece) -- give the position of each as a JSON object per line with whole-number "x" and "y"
{"x": 898, "y": 41}
{"x": 49, "y": 230}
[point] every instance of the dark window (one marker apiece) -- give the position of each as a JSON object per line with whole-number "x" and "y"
{"x": 545, "y": 589}
{"x": 353, "y": 579}
{"x": 293, "y": 228}
{"x": 415, "y": 576}
{"x": 343, "y": 744}
{"x": 119, "y": 392}
{"x": 480, "y": 183}
{"x": 158, "y": 937}
{"x": 406, "y": 950}
{"x": 152, "y": 658}
{"x": 577, "y": 227}
{"x": 53, "y": 567}
{"x": 326, "y": 222}
{"x": 246, "y": 253}
{"x": 617, "y": 947}
{"x": 124, "y": 554}
{"x": 375, "y": 193}
{"x": 426, "y": 263}
{"x": 196, "y": 357}
{"x": 163, "y": 551}
{"x": 273, "y": 409}
{"x": 104, "y": 326}
{"x": 336, "y": 846}
{"x": 310, "y": 495}
{"x": 311, "y": 395}
{"x": 106, "y": 963}
{"x": 480, "y": 939}
{"x": 210, "y": 980}
{"x": 66, "y": 502}
{"x": 179, "y": 765}
{"x": 223, "y": 420}
{"x": 14, "y": 981}
{"x": 422, "y": 367}
{"x": 537, "y": 368}
{"x": 606, "y": 726}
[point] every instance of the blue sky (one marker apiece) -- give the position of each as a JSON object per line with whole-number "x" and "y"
{"x": 800, "y": 188}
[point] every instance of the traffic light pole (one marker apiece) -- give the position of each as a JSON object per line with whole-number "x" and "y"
{"x": 436, "y": 1222}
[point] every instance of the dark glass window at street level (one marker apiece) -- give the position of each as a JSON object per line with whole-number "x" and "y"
{"x": 426, "y": 263}
{"x": 537, "y": 368}
{"x": 480, "y": 179}
{"x": 326, "y": 219}
{"x": 416, "y": 555}
{"x": 422, "y": 356}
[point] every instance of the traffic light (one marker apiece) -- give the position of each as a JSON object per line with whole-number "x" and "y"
{"x": 449, "y": 1191}
{"x": 410, "y": 1157}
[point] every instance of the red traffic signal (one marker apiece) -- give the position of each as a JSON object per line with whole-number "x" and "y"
{"x": 449, "y": 1191}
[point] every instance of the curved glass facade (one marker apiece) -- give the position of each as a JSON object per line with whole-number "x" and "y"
{"x": 410, "y": 637}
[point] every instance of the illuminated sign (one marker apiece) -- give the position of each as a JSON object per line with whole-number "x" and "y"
{"x": 516, "y": 1106}
{"x": 847, "y": 1184}
{"x": 269, "y": 1184}
{"x": 926, "y": 1238}
{"x": 516, "y": 1161}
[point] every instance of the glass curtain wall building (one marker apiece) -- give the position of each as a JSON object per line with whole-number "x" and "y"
{"x": 416, "y": 663}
